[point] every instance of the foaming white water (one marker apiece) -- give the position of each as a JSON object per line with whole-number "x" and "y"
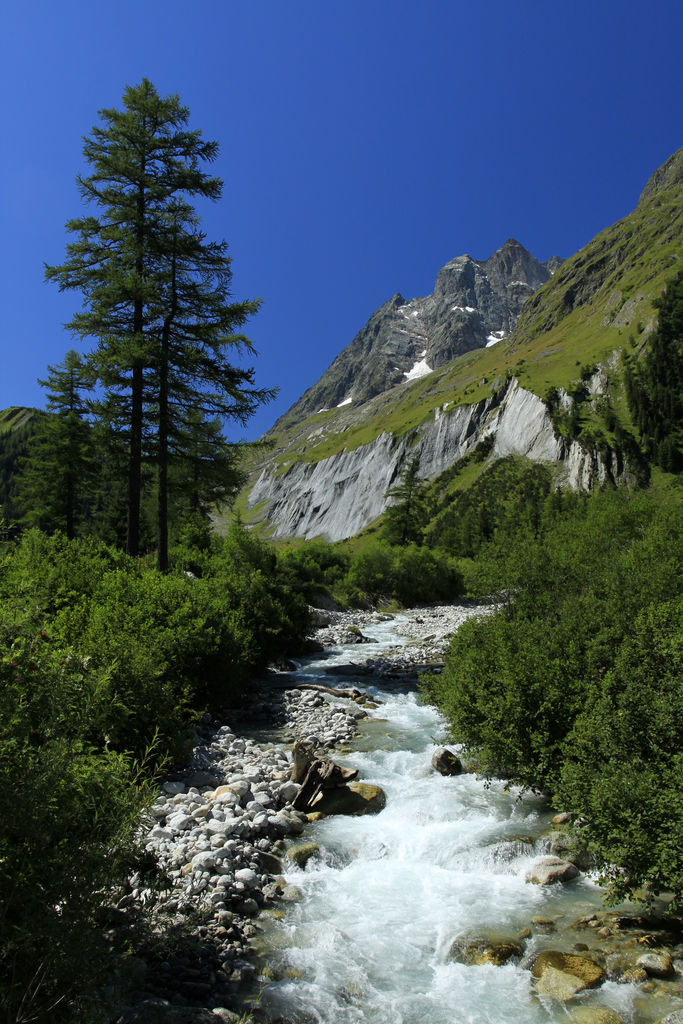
{"x": 446, "y": 859}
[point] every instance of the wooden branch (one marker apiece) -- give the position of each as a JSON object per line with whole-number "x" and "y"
{"x": 351, "y": 692}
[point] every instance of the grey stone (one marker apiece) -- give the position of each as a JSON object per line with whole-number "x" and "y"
{"x": 172, "y": 788}
{"x": 446, "y": 762}
{"x": 548, "y": 870}
{"x": 657, "y": 965}
{"x": 204, "y": 861}
{"x": 288, "y": 791}
{"x": 247, "y": 876}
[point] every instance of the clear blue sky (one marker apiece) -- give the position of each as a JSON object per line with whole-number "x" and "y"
{"x": 363, "y": 144}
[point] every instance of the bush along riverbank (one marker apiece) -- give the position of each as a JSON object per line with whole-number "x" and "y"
{"x": 573, "y": 687}
{"x": 103, "y": 665}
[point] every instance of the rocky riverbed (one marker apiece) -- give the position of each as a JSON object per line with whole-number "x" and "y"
{"x": 218, "y": 831}
{"x": 222, "y": 830}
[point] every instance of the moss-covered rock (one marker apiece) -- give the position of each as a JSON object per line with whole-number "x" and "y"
{"x": 562, "y": 975}
{"x": 484, "y": 950}
{"x": 595, "y": 1015}
{"x": 354, "y": 798}
{"x": 301, "y": 853}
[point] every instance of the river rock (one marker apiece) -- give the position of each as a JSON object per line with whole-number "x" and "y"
{"x": 301, "y": 853}
{"x": 595, "y": 1015}
{"x": 288, "y": 792}
{"x": 247, "y": 877}
{"x": 445, "y": 762}
{"x": 479, "y": 951}
{"x": 319, "y": 617}
{"x": 291, "y": 894}
{"x": 548, "y": 870}
{"x": 270, "y": 863}
{"x": 657, "y": 965}
{"x": 353, "y": 798}
{"x": 672, "y": 1018}
{"x": 561, "y": 975}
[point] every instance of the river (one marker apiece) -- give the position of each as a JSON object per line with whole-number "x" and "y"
{"x": 445, "y": 861}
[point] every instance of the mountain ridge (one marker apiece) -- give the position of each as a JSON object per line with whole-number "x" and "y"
{"x": 565, "y": 342}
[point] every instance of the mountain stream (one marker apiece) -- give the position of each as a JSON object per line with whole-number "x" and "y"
{"x": 389, "y": 894}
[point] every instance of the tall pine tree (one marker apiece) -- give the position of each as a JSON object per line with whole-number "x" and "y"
{"x": 134, "y": 263}
{"x": 195, "y": 383}
{"x": 404, "y": 520}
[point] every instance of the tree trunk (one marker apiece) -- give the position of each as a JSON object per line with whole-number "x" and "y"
{"x": 137, "y": 383}
{"x": 135, "y": 463}
{"x": 164, "y": 428}
{"x": 162, "y": 496}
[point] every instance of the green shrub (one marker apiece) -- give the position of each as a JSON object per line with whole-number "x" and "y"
{"x": 410, "y": 575}
{"x": 101, "y": 659}
{"x": 574, "y": 685}
{"x": 623, "y": 761}
{"x": 68, "y": 813}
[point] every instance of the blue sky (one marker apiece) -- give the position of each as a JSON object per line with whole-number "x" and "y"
{"x": 363, "y": 145}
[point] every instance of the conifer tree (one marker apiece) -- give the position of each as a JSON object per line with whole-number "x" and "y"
{"x": 59, "y": 467}
{"x": 143, "y": 159}
{"x": 405, "y": 520}
{"x": 195, "y": 385}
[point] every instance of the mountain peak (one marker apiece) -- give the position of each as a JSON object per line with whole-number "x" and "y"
{"x": 475, "y": 303}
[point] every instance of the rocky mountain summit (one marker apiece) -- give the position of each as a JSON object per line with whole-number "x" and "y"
{"x": 475, "y": 303}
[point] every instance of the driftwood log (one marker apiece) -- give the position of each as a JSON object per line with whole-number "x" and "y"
{"x": 303, "y": 757}
{"x": 322, "y": 774}
{"x": 350, "y": 692}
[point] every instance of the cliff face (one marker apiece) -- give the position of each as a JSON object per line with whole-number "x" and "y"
{"x": 338, "y": 496}
{"x": 475, "y": 303}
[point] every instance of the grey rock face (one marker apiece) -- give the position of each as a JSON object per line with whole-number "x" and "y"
{"x": 338, "y": 496}
{"x": 473, "y": 302}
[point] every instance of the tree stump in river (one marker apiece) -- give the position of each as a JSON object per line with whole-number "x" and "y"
{"x": 320, "y": 774}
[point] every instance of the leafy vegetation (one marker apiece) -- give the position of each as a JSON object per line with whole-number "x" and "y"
{"x": 104, "y": 666}
{"x": 510, "y": 496}
{"x": 654, "y": 386}
{"x": 560, "y": 691}
{"x": 377, "y": 571}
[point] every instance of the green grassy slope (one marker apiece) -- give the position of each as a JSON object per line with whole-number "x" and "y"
{"x": 14, "y": 418}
